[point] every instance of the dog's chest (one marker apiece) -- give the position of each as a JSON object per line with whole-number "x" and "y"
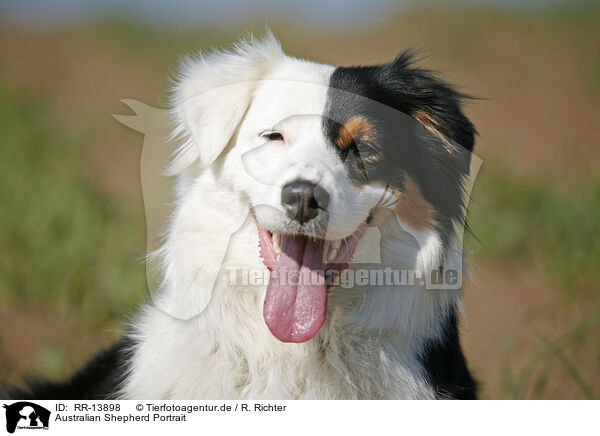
{"x": 231, "y": 354}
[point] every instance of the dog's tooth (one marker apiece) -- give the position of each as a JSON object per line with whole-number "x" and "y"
{"x": 334, "y": 248}
{"x": 277, "y": 243}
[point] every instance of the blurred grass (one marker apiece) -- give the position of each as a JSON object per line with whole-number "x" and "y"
{"x": 533, "y": 373}
{"x": 535, "y": 221}
{"x": 64, "y": 242}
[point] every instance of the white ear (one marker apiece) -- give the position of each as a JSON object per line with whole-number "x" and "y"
{"x": 211, "y": 95}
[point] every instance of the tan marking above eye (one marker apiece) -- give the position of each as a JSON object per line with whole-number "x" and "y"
{"x": 413, "y": 208}
{"x": 355, "y": 127}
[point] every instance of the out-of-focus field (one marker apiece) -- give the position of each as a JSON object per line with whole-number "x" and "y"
{"x": 72, "y": 229}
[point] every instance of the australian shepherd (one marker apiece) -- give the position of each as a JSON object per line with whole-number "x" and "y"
{"x": 315, "y": 247}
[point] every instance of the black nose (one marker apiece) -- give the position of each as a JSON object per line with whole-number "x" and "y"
{"x": 302, "y": 200}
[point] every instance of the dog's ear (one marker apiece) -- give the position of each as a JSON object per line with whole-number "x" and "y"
{"x": 433, "y": 102}
{"x": 210, "y": 97}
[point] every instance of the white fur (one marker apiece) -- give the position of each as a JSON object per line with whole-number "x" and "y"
{"x": 204, "y": 338}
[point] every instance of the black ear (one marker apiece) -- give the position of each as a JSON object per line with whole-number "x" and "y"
{"x": 439, "y": 160}
{"x": 430, "y": 100}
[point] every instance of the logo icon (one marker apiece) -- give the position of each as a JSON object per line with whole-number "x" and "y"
{"x": 26, "y": 415}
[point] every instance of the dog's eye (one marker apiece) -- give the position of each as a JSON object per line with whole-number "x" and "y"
{"x": 272, "y": 136}
{"x": 365, "y": 147}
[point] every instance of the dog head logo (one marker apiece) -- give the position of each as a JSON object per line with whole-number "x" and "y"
{"x": 26, "y": 415}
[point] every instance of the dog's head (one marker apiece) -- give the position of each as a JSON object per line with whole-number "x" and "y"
{"x": 315, "y": 151}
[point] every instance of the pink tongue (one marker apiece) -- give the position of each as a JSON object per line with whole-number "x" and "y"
{"x": 296, "y": 299}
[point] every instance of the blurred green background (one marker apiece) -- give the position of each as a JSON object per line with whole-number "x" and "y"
{"x": 72, "y": 225}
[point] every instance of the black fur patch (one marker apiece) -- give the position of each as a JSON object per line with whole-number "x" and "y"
{"x": 419, "y": 130}
{"x": 446, "y": 365}
{"x": 98, "y": 380}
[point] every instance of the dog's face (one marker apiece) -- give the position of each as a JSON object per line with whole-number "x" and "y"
{"x": 297, "y": 181}
{"x": 315, "y": 151}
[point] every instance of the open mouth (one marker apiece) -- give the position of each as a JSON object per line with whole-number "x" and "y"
{"x": 296, "y": 298}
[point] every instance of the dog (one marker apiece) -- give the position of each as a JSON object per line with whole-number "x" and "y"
{"x": 304, "y": 175}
